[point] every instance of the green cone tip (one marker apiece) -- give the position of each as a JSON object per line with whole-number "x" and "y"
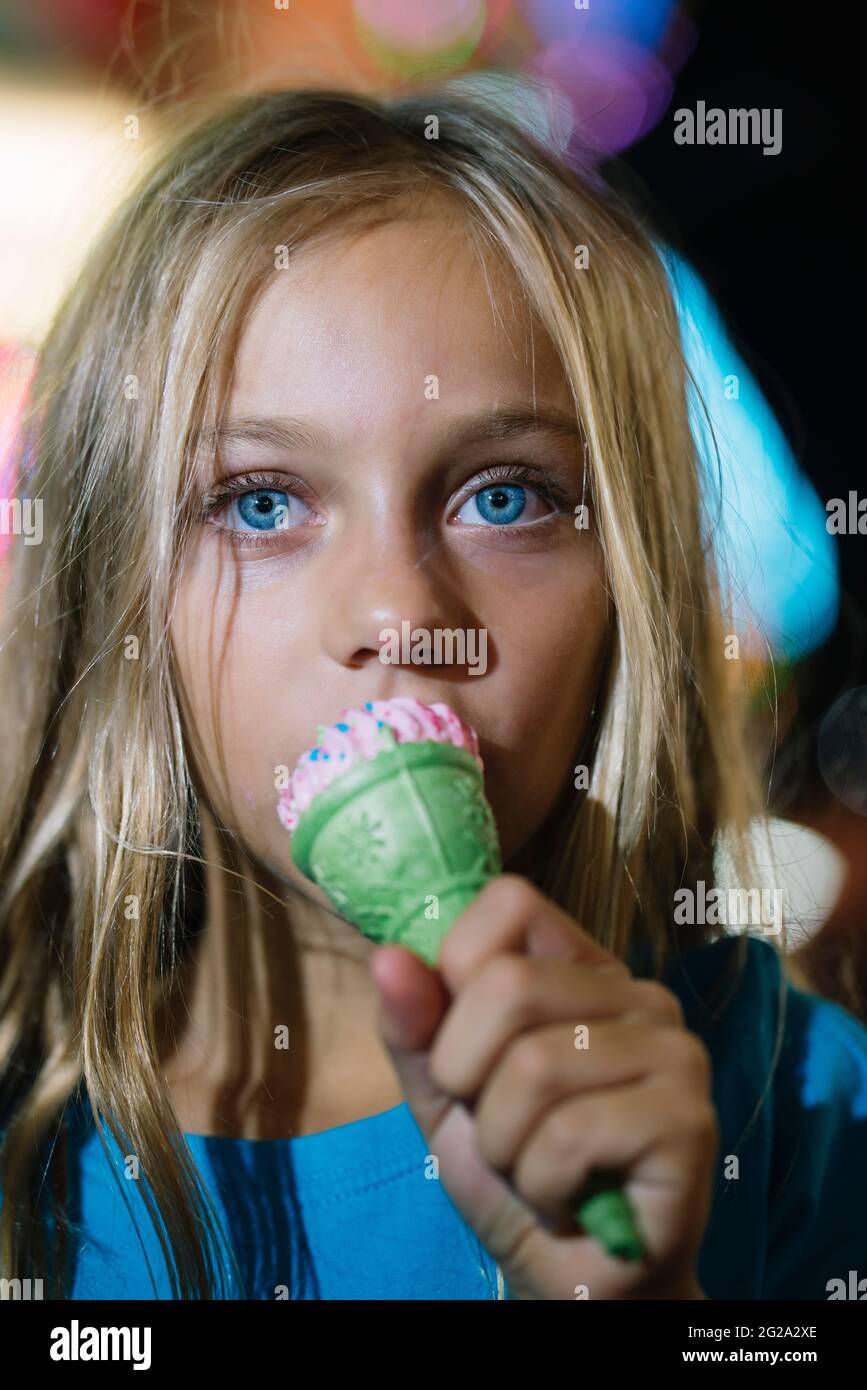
{"x": 607, "y": 1217}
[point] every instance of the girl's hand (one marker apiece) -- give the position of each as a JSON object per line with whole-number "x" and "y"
{"x": 495, "y": 1028}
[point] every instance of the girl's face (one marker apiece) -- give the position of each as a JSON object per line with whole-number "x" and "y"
{"x": 413, "y": 461}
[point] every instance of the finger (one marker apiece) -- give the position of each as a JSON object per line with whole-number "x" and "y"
{"x": 543, "y": 1068}
{"x": 510, "y": 993}
{"x": 510, "y": 914}
{"x": 646, "y": 1131}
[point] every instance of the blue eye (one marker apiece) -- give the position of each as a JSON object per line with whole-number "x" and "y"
{"x": 251, "y": 505}
{"x": 497, "y": 505}
{"x": 267, "y": 509}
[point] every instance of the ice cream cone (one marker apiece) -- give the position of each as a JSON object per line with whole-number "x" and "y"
{"x": 402, "y": 843}
{"x": 388, "y": 815}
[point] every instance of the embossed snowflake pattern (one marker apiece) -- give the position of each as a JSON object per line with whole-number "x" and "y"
{"x": 361, "y": 839}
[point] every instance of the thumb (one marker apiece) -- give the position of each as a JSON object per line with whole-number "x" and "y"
{"x": 412, "y": 1003}
{"x": 412, "y": 1000}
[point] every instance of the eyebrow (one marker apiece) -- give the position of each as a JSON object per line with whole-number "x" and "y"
{"x": 280, "y": 431}
{"x": 511, "y": 422}
{"x": 499, "y": 425}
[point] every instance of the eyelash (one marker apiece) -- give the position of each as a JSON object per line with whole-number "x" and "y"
{"x": 240, "y": 484}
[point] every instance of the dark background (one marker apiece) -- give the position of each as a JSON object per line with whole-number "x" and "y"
{"x": 780, "y": 243}
{"x": 779, "y": 240}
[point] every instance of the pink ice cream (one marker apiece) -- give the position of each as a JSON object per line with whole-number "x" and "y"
{"x": 359, "y": 736}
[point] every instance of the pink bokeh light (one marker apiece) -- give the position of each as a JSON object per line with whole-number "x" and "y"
{"x": 617, "y": 90}
{"x": 419, "y": 28}
{"x": 16, "y": 372}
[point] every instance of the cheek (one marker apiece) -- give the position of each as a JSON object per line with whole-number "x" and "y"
{"x": 240, "y": 651}
{"x": 221, "y": 653}
{"x": 550, "y": 630}
{"x": 246, "y": 709}
{"x": 552, "y": 643}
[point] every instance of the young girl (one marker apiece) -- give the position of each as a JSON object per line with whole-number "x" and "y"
{"x": 451, "y": 366}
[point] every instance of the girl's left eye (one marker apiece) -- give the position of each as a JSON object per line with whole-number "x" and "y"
{"x": 501, "y": 505}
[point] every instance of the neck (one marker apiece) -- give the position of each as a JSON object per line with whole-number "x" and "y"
{"x": 269, "y": 1026}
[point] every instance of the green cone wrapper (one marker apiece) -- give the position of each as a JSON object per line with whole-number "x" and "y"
{"x": 401, "y": 844}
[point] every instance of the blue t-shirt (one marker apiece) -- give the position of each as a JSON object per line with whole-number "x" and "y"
{"x": 354, "y": 1213}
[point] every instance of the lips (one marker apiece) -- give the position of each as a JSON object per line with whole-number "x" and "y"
{"x": 359, "y": 735}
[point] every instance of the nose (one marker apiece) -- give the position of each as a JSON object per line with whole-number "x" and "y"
{"x": 380, "y": 592}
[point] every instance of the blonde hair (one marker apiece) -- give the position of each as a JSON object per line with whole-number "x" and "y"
{"x": 98, "y": 806}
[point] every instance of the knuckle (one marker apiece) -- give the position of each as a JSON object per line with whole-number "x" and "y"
{"x": 690, "y": 1126}
{"x": 704, "y": 1125}
{"x": 686, "y": 1052}
{"x": 508, "y": 979}
{"x": 657, "y": 999}
{"x": 512, "y": 894}
{"x": 530, "y": 1062}
{"x": 618, "y": 968}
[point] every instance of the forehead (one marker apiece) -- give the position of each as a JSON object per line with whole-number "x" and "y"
{"x": 377, "y": 315}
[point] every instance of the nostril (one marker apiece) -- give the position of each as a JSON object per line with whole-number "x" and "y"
{"x": 363, "y": 657}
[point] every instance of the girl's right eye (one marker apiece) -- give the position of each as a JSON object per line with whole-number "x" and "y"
{"x": 250, "y": 509}
{"x": 266, "y": 509}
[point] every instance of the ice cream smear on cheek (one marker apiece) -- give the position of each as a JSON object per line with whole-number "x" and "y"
{"x": 359, "y": 736}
